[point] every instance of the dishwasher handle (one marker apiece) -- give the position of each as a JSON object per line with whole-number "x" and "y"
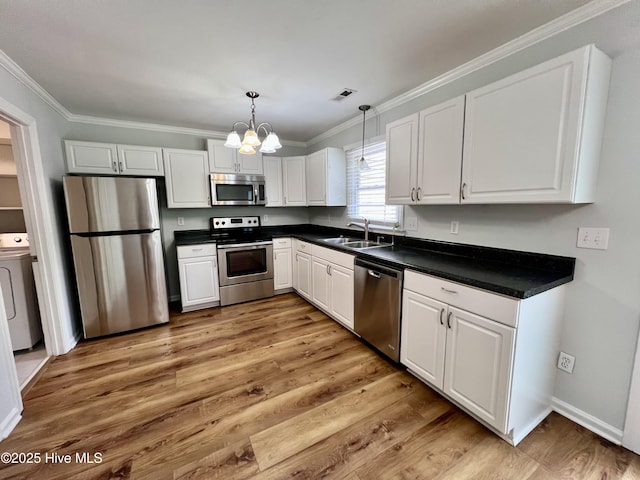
{"x": 376, "y": 270}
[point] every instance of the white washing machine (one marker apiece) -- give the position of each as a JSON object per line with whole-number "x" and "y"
{"x": 18, "y": 291}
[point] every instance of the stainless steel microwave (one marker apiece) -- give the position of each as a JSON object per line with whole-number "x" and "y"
{"x": 237, "y": 189}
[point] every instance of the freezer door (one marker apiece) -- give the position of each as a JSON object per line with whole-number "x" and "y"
{"x": 111, "y": 204}
{"x": 121, "y": 282}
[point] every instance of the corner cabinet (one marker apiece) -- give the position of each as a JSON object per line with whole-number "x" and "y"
{"x": 273, "y": 181}
{"x": 536, "y": 136}
{"x": 326, "y": 177}
{"x": 492, "y": 355}
{"x": 294, "y": 182}
{"x": 227, "y": 160}
{"x": 187, "y": 178}
{"x": 302, "y": 269}
{"x": 198, "y": 270}
{"x": 111, "y": 159}
{"x": 282, "y": 265}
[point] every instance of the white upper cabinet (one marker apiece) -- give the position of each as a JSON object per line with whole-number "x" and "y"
{"x": 535, "y": 137}
{"x": 402, "y": 158}
{"x": 424, "y": 155}
{"x": 326, "y": 173}
{"x": 228, "y": 160}
{"x": 294, "y": 181}
{"x": 187, "y": 178}
{"x": 111, "y": 159}
{"x": 273, "y": 181}
{"x": 143, "y": 161}
{"x": 440, "y": 153}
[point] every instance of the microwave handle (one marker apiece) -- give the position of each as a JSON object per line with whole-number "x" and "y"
{"x": 255, "y": 195}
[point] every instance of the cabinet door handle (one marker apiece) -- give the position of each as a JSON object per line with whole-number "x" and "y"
{"x": 464, "y": 185}
{"x": 115, "y": 166}
{"x": 330, "y": 270}
{"x": 413, "y": 190}
{"x": 441, "y": 313}
{"x": 447, "y": 290}
{"x": 418, "y": 193}
{"x": 121, "y": 168}
{"x": 449, "y": 319}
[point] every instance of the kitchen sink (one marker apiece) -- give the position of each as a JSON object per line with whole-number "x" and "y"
{"x": 362, "y": 244}
{"x": 340, "y": 240}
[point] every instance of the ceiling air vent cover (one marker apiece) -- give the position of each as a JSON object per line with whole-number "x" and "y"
{"x": 343, "y": 94}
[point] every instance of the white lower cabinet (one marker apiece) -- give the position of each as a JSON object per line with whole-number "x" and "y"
{"x": 341, "y": 292}
{"x": 497, "y": 362}
{"x": 302, "y": 268}
{"x": 325, "y": 277}
{"x": 320, "y": 282}
{"x": 333, "y": 287}
{"x": 282, "y": 265}
{"x": 198, "y": 270}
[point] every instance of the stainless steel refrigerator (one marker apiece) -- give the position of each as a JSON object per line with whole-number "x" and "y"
{"x": 117, "y": 253}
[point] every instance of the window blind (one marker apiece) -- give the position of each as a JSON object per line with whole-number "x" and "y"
{"x": 366, "y": 186}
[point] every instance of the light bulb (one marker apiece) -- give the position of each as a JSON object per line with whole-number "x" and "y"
{"x": 251, "y": 139}
{"x": 233, "y": 140}
{"x": 247, "y": 150}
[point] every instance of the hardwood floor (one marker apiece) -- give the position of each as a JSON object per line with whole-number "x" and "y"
{"x": 272, "y": 389}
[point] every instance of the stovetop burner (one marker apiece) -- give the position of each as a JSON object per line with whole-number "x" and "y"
{"x": 227, "y": 230}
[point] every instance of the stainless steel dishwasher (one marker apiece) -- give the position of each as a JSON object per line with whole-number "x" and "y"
{"x": 378, "y": 297}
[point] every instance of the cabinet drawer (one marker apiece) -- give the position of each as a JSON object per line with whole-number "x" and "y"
{"x": 491, "y": 305}
{"x": 337, "y": 258}
{"x": 201, "y": 250}
{"x": 303, "y": 247}
{"x": 281, "y": 243}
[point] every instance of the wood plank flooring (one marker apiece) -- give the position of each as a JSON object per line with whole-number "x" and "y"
{"x": 272, "y": 389}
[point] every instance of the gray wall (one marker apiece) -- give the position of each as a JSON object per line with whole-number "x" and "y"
{"x": 603, "y": 304}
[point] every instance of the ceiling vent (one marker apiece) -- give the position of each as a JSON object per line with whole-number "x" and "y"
{"x": 343, "y": 94}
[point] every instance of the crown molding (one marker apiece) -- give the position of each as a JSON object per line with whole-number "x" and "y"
{"x": 14, "y": 69}
{"x": 560, "y": 24}
{"x": 571, "y": 19}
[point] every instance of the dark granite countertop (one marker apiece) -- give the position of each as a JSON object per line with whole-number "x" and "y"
{"x": 509, "y": 272}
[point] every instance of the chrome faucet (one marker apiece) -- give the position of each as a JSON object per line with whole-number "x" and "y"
{"x": 365, "y": 227}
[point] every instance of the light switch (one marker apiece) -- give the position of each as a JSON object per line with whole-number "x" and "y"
{"x": 593, "y": 237}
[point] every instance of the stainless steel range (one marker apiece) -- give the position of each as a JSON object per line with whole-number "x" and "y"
{"x": 245, "y": 259}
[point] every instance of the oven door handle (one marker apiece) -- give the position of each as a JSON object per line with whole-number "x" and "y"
{"x": 245, "y": 246}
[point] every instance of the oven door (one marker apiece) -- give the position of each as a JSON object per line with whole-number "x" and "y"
{"x": 243, "y": 263}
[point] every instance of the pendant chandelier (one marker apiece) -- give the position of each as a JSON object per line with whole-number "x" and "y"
{"x": 251, "y": 140}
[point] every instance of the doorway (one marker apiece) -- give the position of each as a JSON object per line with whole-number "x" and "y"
{"x": 16, "y": 273}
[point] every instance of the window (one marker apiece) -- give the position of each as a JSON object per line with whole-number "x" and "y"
{"x": 365, "y": 186}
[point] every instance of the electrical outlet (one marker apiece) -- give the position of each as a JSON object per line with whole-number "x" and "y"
{"x": 181, "y": 221}
{"x": 411, "y": 223}
{"x": 454, "y": 227}
{"x": 566, "y": 362}
{"x": 591, "y": 237}
{"x": 265, "y": 218}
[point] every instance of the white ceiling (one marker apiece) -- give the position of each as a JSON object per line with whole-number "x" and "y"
{"x": 188, "y": 63}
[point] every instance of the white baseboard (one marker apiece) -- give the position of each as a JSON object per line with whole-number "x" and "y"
{"x": 588, "y": 421}
{"x": 9, "y": 423}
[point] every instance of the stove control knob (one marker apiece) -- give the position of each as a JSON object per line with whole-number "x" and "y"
{"x": 217, "y": 223}
{"x": 223, "y": 222}
{"x": 17, "y": 239}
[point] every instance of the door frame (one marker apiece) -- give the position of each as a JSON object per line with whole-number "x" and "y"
{"x": 39, "y": 217}
{"x": 631, "y": 435}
